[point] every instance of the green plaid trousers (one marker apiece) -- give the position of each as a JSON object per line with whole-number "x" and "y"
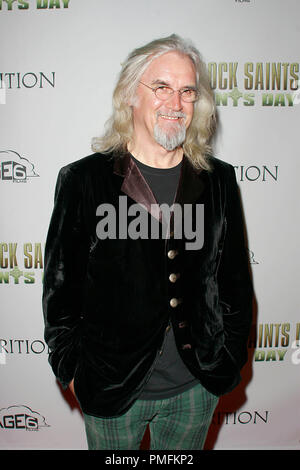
{"x": 177, "y": 423}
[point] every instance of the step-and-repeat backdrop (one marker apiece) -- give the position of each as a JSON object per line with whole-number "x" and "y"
{"x": 59, "y": 62}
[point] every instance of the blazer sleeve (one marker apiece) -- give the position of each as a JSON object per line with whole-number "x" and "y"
{"x": 235, "y": 285}
{"x": 66, "y": 253}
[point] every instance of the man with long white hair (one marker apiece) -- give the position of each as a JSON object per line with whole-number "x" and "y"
{"x": 147, "y": 327}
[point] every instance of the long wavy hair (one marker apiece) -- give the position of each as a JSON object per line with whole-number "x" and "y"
{"x": 119, "y": 127}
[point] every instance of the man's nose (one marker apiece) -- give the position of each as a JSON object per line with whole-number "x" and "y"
{"x": 175, "y": 101}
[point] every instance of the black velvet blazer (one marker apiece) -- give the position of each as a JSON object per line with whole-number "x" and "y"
{"x": 107, "y": 302}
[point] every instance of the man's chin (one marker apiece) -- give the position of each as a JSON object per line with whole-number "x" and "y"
{"x": 169, "y": 140}
{"x": 170, "y": 145}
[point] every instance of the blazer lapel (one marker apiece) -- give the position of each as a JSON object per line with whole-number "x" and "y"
{"x": 134, "y": 184}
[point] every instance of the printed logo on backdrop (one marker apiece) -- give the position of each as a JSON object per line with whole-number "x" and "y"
{"x": 252, "y": 258}
{"x": 21, "y": 264}
{"x": 10, "y": 348}
{"x": 14, "y": 168}
{"x": 276, "y": 343}
{"x": 240, "y": 417}
{"x": 251, "y": 84}
{"x": 258, "y": 172}
{"x": 13, "y": 5}
{"x": 21, "y": 417}
{"x": 20, "y": 80}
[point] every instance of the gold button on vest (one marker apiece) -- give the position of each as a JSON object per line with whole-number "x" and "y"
{"x": 172, "y": 254}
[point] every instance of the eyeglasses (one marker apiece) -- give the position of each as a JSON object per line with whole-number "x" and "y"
{"x": 163, "y": 92}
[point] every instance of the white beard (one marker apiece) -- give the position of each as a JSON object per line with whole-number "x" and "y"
{"x": 172, "y": 139}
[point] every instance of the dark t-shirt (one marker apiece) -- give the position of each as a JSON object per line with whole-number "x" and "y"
{"x": 170, "y": 375}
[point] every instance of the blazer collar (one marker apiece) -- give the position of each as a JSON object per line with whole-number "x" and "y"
{"x": 191, "y": 185}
